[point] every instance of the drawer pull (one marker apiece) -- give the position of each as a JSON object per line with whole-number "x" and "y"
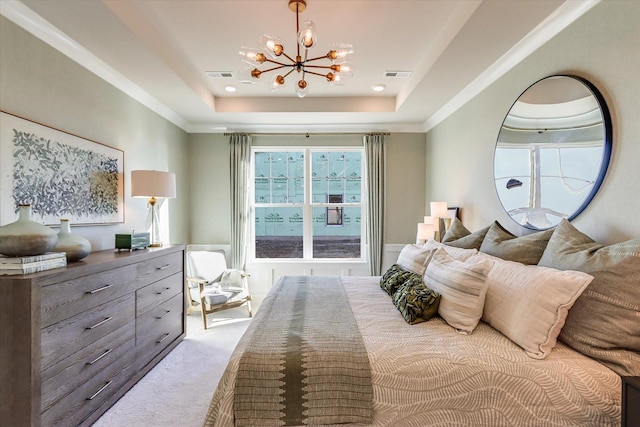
{"x": 163, "y": 338}
{"x": 100, "y": 357}
{"x": 99, "y": 391}
{"x": 162, "y": 291}
{"x": 163, "y": 267}
{"x": 100, "y": 323}
{"x": 165, "y": 313}
{"x": 95, "y": 291}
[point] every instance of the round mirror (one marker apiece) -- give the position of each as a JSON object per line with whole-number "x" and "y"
{"x": 552, "y": 152}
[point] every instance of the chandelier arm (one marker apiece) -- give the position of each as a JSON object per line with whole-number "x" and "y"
{"x": 318, "y": 66}
{"x": 297, "y": 27}
{"x": 290, "y": 71}
{"x": 276, "y": 68}
{"x": 288, "y": 57}
{"x": 279, "y": 63}
{"x": 317, "y": 58}
{"x": 315, "y": 74}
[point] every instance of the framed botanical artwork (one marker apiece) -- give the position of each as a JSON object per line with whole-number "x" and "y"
{"x": 59, "y": 174}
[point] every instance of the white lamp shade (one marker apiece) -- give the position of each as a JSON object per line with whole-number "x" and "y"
{"x": 426, "y": 231}
{"x": 431, "y": 220}
{"x": 150, "y": 183}
{"x": 439, "y": 209}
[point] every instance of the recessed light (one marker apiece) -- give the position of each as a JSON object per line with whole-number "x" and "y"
{"x": 230, "y": 88}
{"x": 378, "y": 87}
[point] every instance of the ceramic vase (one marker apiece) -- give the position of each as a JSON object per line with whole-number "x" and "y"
{"x": 26, "y": 237}
{"x": 75, "y": 246}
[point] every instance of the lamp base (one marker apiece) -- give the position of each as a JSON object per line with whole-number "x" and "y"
{"x": 155, "y": 245}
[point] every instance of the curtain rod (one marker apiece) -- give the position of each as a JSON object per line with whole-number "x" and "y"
{"x": 306, "y": 134}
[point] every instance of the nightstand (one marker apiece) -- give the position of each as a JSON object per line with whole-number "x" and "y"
{"x": 630, "y": 401}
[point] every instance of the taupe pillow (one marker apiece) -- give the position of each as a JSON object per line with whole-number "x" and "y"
{"x": 604, "y": 322}
{"x": 525, "y": 249}
{"x": 458, "y": 236}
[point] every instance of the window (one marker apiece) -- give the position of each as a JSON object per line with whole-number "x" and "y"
{"x": 307, "y": 203}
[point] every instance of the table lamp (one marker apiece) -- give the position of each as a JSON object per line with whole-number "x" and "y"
{"x": 153, "y": 184}
{"x": 439, "y": 211}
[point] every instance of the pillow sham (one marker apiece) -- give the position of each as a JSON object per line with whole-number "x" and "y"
{"x": 458, "y": 236}
{"x": 415, "y": 302}
{"x": 604, "y": 323}
{"x": 525, "y": 249}
{"x": 394, "y": 277}
{"x": 462, "y": 288}
{"x": 414, "y": 258}
{"x": 529, "y": 304}
{"x": 461, "y": 254}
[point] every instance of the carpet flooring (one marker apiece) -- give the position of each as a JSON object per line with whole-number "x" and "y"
{"x": 177, "y": 391}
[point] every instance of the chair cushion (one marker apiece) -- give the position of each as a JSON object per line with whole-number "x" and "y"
{"x": 207, "y": 265}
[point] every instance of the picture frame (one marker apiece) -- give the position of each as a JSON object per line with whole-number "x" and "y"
{"x": 453, "y": 213}
{"x": 61, "y": 175}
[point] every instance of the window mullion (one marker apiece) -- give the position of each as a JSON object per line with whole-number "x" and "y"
{"x": 308, "y": 212}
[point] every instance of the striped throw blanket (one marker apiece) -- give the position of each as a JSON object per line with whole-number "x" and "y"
{"x": 306, "y": 362}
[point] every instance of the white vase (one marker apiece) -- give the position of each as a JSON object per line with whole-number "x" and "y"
{"x": 75, "y": 246}
{"x": 26, "y": 237}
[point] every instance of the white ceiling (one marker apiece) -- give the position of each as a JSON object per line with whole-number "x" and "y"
{"x": 158, "y": 51}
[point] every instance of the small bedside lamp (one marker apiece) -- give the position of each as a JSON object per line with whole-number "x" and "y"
{"x": 439, "y": 211}
{"x": 426, "y": 231}
{"x": 152, "y": 184}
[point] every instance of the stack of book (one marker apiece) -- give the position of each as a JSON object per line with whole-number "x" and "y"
{"x": 32, "y": 264}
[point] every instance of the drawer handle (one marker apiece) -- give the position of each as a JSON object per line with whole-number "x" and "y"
{"x": 163, "y": 267}
{"x": 99, "y": 391}
{"x": 162, "y": 291}
{"x": 100, "y": 323}
{"x": 163, "y": 338}
{"x": 95, "y": 291}
{"x": 100, "y": 357}
{"x": 165, "y": 313}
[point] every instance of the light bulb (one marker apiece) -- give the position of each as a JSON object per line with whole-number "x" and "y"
{"x": 342, "y": 52}
{"x": 344, "y": 69}
{"x": 272, "y": 45}
{"x": 307, "y": 36}
{"x": 276, "y": 83}
{"x": 251, "y": 56}
{"x": 245, "y": 76}
{"x": 302, "y": 88}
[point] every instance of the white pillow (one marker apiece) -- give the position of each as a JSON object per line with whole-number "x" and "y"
{"x": 462, "y": 286}
{"x": 461, "y": 254}
{"x": 414, "y": 258}
{"x": 528, "y": 303}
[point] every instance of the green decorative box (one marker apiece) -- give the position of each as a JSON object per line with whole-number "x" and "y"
{"x": 132, "y": 241}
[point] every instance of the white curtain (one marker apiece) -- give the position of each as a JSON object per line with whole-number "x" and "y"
{"x": 374, "y": 148}
{"x": 240, "y": 149}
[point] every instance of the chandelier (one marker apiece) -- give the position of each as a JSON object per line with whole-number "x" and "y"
{"x": 338, "y": 57}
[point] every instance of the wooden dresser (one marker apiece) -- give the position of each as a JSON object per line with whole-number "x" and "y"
{"x": 73, "y": 340}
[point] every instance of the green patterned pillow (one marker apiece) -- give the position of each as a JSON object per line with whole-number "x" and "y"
{"x": 525, "y": 249}
{"x": 415, "y": 301}
{"x": 458, "y": 236}
{"x": 393, "y": 278}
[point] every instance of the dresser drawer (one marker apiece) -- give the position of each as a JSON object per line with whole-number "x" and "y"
{"x": 158, "y": 292}
{"x": 72, "y": 372}
{"x": 154, "y": 269}
{"x": 72, "y": 409}
{"x": 63, "y": 300}
{"x": 69, "y": 336}
{"x": 157, "y": 328}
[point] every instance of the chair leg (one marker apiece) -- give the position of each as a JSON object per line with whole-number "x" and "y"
{"x": 249, "y": 308}
{"x": 204, "y": 317}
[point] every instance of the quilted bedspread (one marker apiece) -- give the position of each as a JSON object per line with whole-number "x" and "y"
{"x": 429, "y": 375}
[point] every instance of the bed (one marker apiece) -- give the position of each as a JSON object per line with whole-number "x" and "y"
{"x": 429, "y": 375}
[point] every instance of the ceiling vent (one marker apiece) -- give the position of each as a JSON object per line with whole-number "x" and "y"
{"x": 219, "y": 74}
{"x": 398, "y": 74}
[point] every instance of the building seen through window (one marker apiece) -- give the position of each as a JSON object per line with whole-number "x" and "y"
{"x": 326, "y": 221}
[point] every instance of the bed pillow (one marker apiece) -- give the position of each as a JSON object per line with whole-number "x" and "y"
{"x": 414, "y": 258}
{"x": 604, "y": 323}
{"x": 525, "y": 249}
{"x": 415, "y": 302}
{"x": 458, "y": 236}
{"x": 462, "y": 288}
{"x": 394, "y": 277}
{"x": 461, "y": 254}
{"x": 528, "y": 303}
